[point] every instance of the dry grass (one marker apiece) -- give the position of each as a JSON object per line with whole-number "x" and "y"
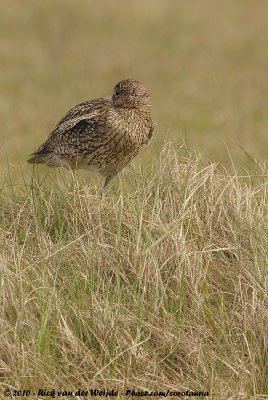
{"x": 160, "y": 285}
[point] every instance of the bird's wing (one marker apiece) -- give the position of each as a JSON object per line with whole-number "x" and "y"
{"x": 78, "y": 131}
{"x": 85, "y": 108}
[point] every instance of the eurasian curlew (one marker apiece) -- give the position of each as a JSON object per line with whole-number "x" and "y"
{"x": 104, "y": 134}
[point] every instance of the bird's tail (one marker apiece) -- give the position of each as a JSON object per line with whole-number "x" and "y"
{"x": 35, "y": 159}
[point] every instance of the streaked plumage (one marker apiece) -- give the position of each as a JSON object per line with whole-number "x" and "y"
{"x": 103, "y": 134}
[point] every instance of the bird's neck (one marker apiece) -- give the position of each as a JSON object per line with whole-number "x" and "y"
{"x": 134, "y": 112}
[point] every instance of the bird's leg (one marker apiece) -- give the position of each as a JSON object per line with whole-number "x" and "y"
{"x": 106, "y": 183}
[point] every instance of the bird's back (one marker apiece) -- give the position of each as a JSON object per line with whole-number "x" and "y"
{"x": 77, "y": 133}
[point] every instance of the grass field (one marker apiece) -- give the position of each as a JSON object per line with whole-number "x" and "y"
{"x": 162, "y": 284}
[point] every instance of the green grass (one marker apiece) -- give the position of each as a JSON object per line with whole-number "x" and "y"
{"x": 160, "y": 285}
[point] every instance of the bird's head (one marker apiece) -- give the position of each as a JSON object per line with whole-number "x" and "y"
{"x": 131, "y": 94}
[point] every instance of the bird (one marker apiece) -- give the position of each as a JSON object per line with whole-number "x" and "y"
{"x": 101, "y": 135}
